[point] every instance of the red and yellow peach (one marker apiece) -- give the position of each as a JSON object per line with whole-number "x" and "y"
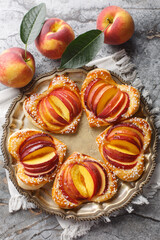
{"x": 15, "y": 70}
{"x": 121, "y": 25}
{"x": 54, "y": 38}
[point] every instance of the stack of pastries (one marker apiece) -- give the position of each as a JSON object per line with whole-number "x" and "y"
{"x": 81, "y": 178}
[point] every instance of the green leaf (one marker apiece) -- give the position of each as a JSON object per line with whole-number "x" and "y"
{"x": 82, "y": 50}
{"x": 32, "y": 23}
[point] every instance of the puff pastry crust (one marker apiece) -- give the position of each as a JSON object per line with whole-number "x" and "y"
{"x": 38, "y": 157}
{"x": 122, "y": 147}
{"x": 106, "y": 102}
{"x": 83, "y": 178}
{"x": 58, "y": 109}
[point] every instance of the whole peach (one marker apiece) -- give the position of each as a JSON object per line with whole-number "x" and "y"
{"x": 54, "y": 37}
{"x": 121, "y": 27}
{"x": 15, "y": 71}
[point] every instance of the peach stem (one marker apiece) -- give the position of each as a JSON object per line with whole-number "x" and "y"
{"x": 107, "y": 24}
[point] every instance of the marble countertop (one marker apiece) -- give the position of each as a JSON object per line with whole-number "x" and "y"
{"x": 144, "y": 49}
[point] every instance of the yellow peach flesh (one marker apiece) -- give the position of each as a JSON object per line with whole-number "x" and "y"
{"x": 42, "y": 159}
{"x": 60, "y": 107}
{"x": 88, "y": 180}
{"x": 78, "y": 181}
{"x": 106, "y": 97}
{"x": 45, "y": 120}
{"x": 39, "y": 152}
{"x": 124, "y": 146}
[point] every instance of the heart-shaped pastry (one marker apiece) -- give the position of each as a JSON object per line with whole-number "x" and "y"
{"x": 38, "y": 156}
{"x": 58, "y": 109}
{"x": 122, "y": 147}
{"x": 106, "y": 102}
{"x": 83, "y": 178}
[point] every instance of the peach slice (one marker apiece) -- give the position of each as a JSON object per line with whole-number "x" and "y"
{"x": 95, "y": 89}
{"x": 104, "y": 179}
{"x": 59, "y": 107}
{"x": 64, "y": 187}
{"x": 28, "y": 147}
{"x": 113, "y": 105}
{"x": 121, "y": 110}
{"x": 38, "y": 161}
{"x": 74, "y": 101}
{"x": 92, "y": 169}
{"x": 126, "y": 129}
{"x": 35, "y": 138}
{"x": 88, "y": 88}
{"x": 51, "y": 115}
{"x": 128, "y": 139}
{"x": 124, "y": 146}
{"x": 104, "y": 97}
{"x": 45, "y": 166}
{"x": 69, "y": 186}
{"x": 65, "y": 101}
{"x": 40, "y": 173}
{"x": 36, "y": 150}
{"x": 52, "y": 123}
{"x": 120, "y": 156}
{"x": 88, "y": 180}
{"x": 78, "y": 180}
{"x": 118, "y": 164}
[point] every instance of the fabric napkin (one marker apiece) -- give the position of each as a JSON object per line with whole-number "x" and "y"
{"x": 119, "y": 63}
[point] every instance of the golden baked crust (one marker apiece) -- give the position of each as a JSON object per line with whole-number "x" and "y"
{"x": 92, "y": 91}
{"x": 68, "y": 95}
{"x": 64, "y": 182}
{"x": 15, "y": 142}
{"x": 122, "y": 147}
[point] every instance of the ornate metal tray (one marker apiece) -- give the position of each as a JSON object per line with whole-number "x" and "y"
{"x": 83, "y": 141}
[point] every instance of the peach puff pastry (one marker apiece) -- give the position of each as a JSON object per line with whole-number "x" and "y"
{"x": 106, "y": 102}
{"x": 38, "y": 156}
{"x": 58, "y": 109}
{"x": 122, "y": 147}
{"x": 83, "y": 178}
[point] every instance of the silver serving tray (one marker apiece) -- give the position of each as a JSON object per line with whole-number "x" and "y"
{"x": 82, "y": 141}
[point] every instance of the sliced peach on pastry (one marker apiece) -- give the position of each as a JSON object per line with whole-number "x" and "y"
{"x": 124, "y": 146}
{"x": 102, "y": 99}
{"x": 59, "y": 107}
{"x": 95, "y": 89}
{"x": 64, "y": 188}
{"x": 78, "y": 180}
{"x": 56, "y": 117}
{"x": 33, "y": 139}
{"x": 119, "y": 164}
{"x": 42, "y": 173}
{"x": 31, "y": 145}
{"x": 39, "y": 161}
{"x": 104, "y": 179}
{"x": 51, "y": 115}
{"x": 121, "y": 110}
{"x": 74, "y": 101}
{"x": 113, "y": 105}
{"x": 126, "y": 129}
{"x": 58, "y": 93}
{"x": 88, "y": 180}
{"x": 37, "y": 150}
{"x": 88, "y": 88}
{"x": 50, "y": 121}
{"x": 41, "y": 167}
{"x": 92, "y": 169}
{"x": 122, "y": 139}
{"x": 123, "y": 156}
{"x": 69, "y": 186}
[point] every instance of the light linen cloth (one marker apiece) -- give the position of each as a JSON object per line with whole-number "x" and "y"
{"x": 121, "y": 64}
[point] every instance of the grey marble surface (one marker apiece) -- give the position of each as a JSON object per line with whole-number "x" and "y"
{"x": 144, "y": 49}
